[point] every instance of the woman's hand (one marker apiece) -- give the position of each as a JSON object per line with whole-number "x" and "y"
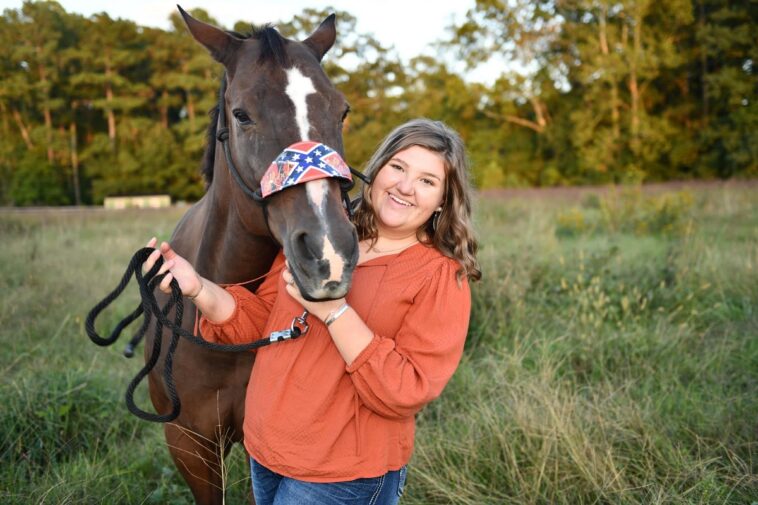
{"x": 212, "y": 300}
{"x": 178, "y": 268}
{"x": 349, "y": 333}
{"x": 319, "y": 309}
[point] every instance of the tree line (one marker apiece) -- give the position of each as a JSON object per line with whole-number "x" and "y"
{"x": 591, "y": 92}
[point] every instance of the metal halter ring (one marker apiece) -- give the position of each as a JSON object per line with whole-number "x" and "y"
{"x": 299, "y": 324}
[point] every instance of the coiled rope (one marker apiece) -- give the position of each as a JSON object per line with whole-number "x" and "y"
{"x": 149, "y": 308}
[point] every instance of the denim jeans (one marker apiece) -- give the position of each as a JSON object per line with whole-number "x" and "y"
{"x": 271, "y": 488}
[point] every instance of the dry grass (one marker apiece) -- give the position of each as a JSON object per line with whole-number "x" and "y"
{"x": 616, "y": 365}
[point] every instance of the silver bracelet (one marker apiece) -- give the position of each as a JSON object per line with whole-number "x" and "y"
{"x": 336, "y": 313}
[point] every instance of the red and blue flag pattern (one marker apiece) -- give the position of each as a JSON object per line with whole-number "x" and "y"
{"x": 302, "y": 162}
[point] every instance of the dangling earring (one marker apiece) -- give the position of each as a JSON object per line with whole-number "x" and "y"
{"x": 435, "y": 219}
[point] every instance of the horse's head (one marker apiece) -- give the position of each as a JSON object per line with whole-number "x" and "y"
{"x": 278, "y": 94}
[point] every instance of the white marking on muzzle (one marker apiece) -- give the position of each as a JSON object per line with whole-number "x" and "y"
{"x": 298, "y": 89}
{"x": 316, "y": 191}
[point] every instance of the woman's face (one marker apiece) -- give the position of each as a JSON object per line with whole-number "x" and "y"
{"x": 407, "y": 190}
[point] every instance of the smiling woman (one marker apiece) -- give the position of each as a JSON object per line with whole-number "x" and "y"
{"x": 330, "y": 418}
{"x": 407, "y": 191}
{"x": 419, "y": 176}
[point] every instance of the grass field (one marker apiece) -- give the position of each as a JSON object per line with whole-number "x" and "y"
{"x": 612, "y": 359}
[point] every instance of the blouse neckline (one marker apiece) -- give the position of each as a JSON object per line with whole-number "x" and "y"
{"x": 388, "y": 258}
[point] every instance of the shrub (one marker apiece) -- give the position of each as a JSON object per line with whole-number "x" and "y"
{"x": 629, "y": 211}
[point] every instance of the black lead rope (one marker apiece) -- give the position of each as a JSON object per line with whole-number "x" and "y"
{"x": 149, "y": 308}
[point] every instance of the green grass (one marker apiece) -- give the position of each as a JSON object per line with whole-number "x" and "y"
{"x": 610, "y": 362}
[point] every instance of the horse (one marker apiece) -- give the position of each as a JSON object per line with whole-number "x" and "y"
{"x": 276, "y": 93}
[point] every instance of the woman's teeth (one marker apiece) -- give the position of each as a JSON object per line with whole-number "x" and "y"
{"x": 401, "y": 202}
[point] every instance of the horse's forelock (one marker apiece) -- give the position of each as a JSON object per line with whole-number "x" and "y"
{"x": 271, "y": 45}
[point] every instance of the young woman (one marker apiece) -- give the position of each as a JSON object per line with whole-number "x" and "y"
{"x": 329, "y": 417}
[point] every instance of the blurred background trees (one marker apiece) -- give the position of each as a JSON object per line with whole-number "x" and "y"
{"x": 591, "y": 92}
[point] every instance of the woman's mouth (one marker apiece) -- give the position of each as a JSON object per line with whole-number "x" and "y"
{"x": 400, "y": 201}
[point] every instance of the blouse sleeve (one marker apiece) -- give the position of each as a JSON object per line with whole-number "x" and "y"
{"x": 396, "y": 377}
{"x": 251, "y": 311}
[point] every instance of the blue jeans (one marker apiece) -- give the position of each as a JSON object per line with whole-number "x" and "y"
{"x": 271, "y": 488}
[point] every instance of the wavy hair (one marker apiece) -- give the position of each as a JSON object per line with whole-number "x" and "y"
{"x": 453, "y": 235}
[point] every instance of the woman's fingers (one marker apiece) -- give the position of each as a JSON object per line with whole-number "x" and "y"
{"x": 169, "y": 262}
{"x": 166, "y": 251}
{"x": 166, "y": 266}
{"x": 290, "y": 285}
{"x": 166, "y": 283}
{"x": 294, "y": 292}
{"x": 150, "y": 261}
{"x": 289, "y": 279}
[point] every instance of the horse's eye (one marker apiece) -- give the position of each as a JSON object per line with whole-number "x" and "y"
{"x": 344, "y": 114}
{"x": 242, "y": 117}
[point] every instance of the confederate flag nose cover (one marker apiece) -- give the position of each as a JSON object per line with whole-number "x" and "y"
{"x": 302, "y": 162}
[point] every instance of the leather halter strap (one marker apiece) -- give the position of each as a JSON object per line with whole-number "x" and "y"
{"x": 222, "y": 135}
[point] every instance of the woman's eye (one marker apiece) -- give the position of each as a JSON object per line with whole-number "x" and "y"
{"x": 396, "y": 167}
{"x": 428, "y": 182}
{"x": 242, "y": 117}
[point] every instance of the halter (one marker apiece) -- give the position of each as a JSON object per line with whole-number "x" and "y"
{"x": 275, "y": 180}
{"x": 281, "y": 174}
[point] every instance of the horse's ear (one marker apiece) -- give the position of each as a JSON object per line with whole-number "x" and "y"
{"x": 220, "y": 44}
{"x": 323, "y": 38}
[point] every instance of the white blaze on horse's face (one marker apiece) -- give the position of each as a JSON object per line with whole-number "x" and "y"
{"x": 317, "y": 191}
{"x": 298, "y": 89}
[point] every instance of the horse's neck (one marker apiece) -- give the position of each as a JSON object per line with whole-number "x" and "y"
{"x": 213, "y": 238}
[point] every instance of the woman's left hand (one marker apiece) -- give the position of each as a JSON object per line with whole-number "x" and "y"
{"x": 319, "y": 309}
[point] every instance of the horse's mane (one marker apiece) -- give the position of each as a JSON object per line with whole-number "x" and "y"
{"x": 271, "y": 50}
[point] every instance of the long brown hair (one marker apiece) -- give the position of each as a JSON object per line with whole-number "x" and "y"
{"x": 453, "y": 234}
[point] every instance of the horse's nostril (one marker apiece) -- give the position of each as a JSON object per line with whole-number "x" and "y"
{"x": 333, "y": 290}
{"x": 304, "y": 249}
{"x": 324, "y": 268}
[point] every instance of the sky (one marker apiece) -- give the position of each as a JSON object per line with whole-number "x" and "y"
{"x": 411, "y": 26}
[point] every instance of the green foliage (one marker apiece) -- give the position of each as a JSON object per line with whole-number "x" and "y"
{"x": 50, "y": 419}
{"x": 34, "y": 182}
{"x": 619, "y": 91}
{"x": 629, "y": 211}
{"x": 590, "y": 93}
{"x": 725, "y": 38}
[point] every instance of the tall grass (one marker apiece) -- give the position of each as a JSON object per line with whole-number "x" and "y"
{"x": 612, "y": 362}
{"x": 66, "y": 434}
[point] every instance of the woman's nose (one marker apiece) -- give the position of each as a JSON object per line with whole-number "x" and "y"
{"x": 405, "y": 185}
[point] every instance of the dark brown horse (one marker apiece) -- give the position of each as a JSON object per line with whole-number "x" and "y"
{"x": 277, "y": 94}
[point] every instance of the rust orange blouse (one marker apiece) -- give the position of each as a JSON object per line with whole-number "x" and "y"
{"x": 311, "y": 417}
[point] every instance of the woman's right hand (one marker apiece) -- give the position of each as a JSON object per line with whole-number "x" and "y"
{"x": 178, "y": 268}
